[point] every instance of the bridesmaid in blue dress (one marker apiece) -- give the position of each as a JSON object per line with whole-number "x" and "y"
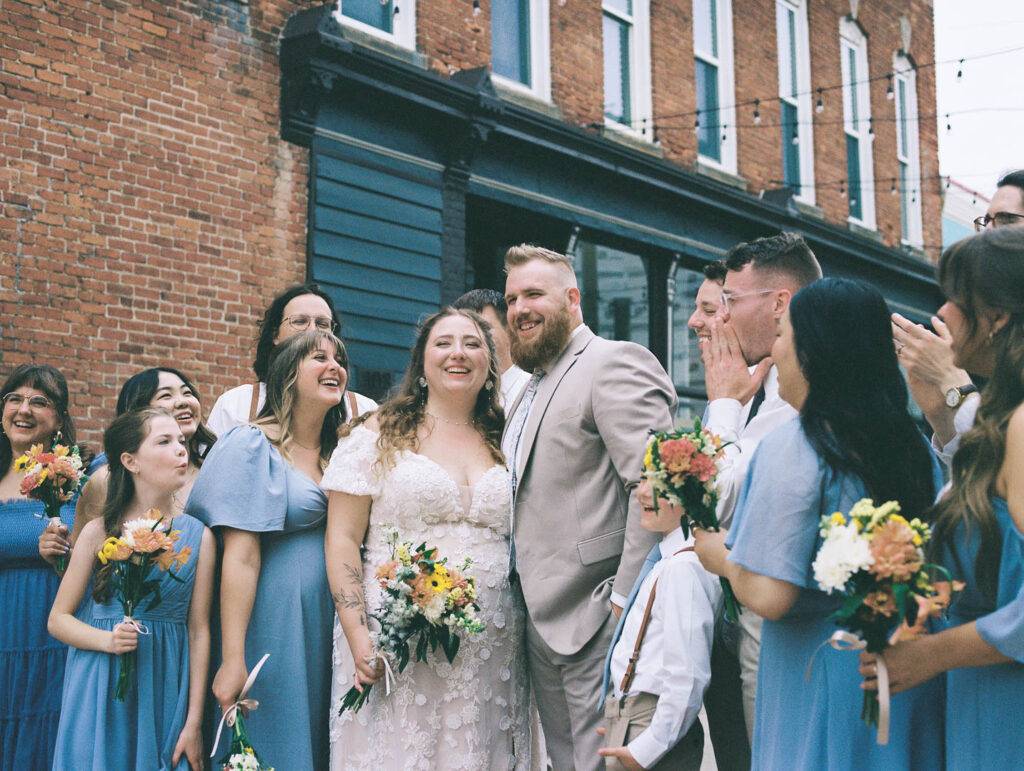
{"x": 259, "y": 488}
{"x": 979, "y": 527}
{"x": 158, "y": 725}
{"x": 854, "y": 439}
{"x": 35, "y": 411}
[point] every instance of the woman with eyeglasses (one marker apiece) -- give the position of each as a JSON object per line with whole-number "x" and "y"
{"x": 295, "y": 310}
{"x": 35, "y": 411}
{"x": 979, "y": 522}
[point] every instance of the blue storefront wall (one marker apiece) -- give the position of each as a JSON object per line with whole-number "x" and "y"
{"x": 375, "y": 247}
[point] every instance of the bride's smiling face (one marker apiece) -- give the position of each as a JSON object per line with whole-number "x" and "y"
{"x": 456, "y": 357}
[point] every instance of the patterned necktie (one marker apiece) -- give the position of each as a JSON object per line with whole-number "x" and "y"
{"x": 513, "y": 437}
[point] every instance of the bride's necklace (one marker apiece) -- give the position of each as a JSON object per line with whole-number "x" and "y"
{"x": 450, "y": 422}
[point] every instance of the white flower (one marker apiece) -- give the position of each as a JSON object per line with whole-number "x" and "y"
{"x": 843, "y": 553}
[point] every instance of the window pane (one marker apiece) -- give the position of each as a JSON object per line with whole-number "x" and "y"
{"x": 853, "y": 175}
{"x": 709, "y": 139}
{"x": 785, "y": 27}
{"x": 790, "y": 150}
{"x": 705, "y": 27}
{"x": 901, "y": 117}
{"x": 852, "y": 87}
{"x": 613, "y": 289}
{"x": 372, "y": 12}
{"x": 904, "y": 201}
{"x": 510, "y": 39}
{"x": 616, "y": 70}
{"x": 622, "y": 6}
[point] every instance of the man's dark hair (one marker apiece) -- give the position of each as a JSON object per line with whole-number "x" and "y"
{"x": 786, "y": 255}
{"x": 1013, "y": 179}
{"x": 272, "y": 320}
{"x": 715, "y": 271}
{"x": 477, "y": 299}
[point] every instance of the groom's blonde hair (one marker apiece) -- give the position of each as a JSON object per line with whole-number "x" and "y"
{"x": 524, "y": 253}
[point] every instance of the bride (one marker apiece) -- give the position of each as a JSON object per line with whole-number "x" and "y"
{"x": 429, "y": 464}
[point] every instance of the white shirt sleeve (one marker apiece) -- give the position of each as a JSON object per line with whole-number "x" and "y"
{"x": 963, "y": 419}
{"x": 231, "y": 409}
{"x": 687, "y": 598}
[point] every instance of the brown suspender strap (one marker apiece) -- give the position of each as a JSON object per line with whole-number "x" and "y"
{"x": 627, "y": 679}
{"x": 353, "y": 407}
{"x": 255, "y": 402}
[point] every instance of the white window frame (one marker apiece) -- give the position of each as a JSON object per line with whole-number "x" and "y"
{"x": 904, "y": 74}
{"x": 540, "y": 55}
{"x": 403, "y": 24}
{"x": 726, "y": 84}
{"x": 851, "y": 38}
{"x": 805, "y": 132}
{"x": 639, "y": 71}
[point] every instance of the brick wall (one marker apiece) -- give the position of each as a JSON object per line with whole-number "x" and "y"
{"x": 149, "y": 208}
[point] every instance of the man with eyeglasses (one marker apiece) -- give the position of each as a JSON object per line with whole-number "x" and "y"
{"x": 761, "y": 278}
{"x": 943, "y": 391}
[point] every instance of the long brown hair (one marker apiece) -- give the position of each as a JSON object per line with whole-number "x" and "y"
{"x": 125, "y": 435}
{"x": 983, "y": 275}
{"x": 282, "y": 391}
{"x": 401, "y": 415}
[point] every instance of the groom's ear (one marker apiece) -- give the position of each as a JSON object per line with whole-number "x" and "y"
{"x": 572, "y": 294}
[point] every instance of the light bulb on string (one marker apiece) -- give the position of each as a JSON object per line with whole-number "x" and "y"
{"x": 960, "y": 70}
{"x": 724, "y": 127}
{"x": 820, "y": 106}
{"x": 948, "y": 180}
{"x": 842, "y": 189}
{"x": 892, "y": 190}
{"x": 888, "y": 91}
{"x": 913, "y": 196}
{"x": 871, "y": 127}
{"x": 476, "y": 8}
{"x": 394, "y": 12}
{"x": 757, "y": 111}
{"x": 696, "y": 123}
{"x": 796, "y": 137}
{"x": 949, "y": 125}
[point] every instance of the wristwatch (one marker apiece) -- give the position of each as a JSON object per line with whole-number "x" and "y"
{"x": 955, "y": 396}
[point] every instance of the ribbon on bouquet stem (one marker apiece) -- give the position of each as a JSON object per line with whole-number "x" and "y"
{"x": 389, "y": 675}
{"x": 844, "y": 641}
{"x": 231, "y": 713}
{"x": 138, "y": 627}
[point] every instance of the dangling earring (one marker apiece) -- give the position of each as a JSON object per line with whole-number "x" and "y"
{"x": 58, "y": 437}
{"x": 423, "y": 382}
{"x": 489, "y": 385}
{"x": 991, "y": 337}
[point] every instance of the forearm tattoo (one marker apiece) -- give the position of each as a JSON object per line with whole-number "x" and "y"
{"x": 352, "y": 597}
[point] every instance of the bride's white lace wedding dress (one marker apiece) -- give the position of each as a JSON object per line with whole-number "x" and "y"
{"x": 473, "y": 714}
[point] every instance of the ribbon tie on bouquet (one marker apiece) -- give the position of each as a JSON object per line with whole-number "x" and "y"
{"x": 134, "y": 624}
{"x": 389, "y": 675}
{"x": 844, "y": 641}
{"x": 231, "y": 713}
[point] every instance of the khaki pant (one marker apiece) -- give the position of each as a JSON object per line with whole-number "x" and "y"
{"x": 628, "y": 716}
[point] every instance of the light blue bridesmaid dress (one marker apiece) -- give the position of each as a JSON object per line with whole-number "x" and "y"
{"x": 816, "y": 725}
{"x": 245, "y": 484}
{"x": 96, "y": 732}
{"x": 31, "y": 662}
{"x": 985, "y": 704}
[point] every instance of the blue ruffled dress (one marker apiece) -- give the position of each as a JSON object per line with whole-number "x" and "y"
{"x": 96, "y": 732}
{"x": 31, "y": 662}
{"x": 245, "y": 484}
{"x": 983, "y": 703}
{"x": 816, "y": 725}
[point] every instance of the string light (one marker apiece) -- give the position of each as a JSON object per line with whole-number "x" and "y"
{"x": 796, "y": 137}
{"x": 757, "y": 111}
{"x": 820, "y": 106}
{"x": 842, "y": 189}
{"x": 696, "y": 123}
{"x": 960, "y": 70}
{"x": 888, "y": 91}
{"x": 892, "y": 190}
{"x": 871, "y": 127}
{"x": 476, "y": 8}
{"x": 949, "y": 126}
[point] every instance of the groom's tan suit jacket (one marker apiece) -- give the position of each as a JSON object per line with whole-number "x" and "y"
{"x": 576, "y": 520}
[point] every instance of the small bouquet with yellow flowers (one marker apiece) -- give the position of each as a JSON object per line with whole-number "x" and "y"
{"x": 682, "y": 467}
{"x": 52, "y": 477}
{"x": 145, "y": 544}
{"x": 875, "y": 559}
{"x": 424, "y": 598}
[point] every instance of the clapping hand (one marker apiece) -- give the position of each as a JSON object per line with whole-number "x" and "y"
{"x": 725, "y": 371}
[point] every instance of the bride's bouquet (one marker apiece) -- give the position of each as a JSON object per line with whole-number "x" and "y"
{"x": 875, "y": 559}
{"x": 682, "y": 467}
{"x": 425, "y": 601}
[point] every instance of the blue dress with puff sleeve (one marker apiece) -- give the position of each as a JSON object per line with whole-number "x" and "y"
{"x": 981, "y": 700}
{"x": 31, "y": 661}
{"x": 140, "y": 733}
{"x": 816, "y": 725}
{"x": 245, "y": 484}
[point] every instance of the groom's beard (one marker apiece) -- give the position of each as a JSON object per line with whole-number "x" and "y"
{"x": 554, "y": 335}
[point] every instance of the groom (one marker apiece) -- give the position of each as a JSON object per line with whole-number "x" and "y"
{"x": 574, "y": 440}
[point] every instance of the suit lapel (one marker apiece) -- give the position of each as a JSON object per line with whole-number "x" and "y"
{"x": 546, "y": 390}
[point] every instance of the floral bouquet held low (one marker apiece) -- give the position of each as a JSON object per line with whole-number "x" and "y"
{"x": 146, "y": 544}
{"x": 425, "y": 599}
{"x": 53, "y": 478}
{"x": 875, "y": 558}
{"x": 682, "y": 468}
{"x": 241, "y": 754}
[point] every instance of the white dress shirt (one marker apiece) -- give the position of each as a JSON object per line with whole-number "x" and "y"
{"x": 963, "y": 420}
{"x": 232, "y": 408}
{"x": 513, "y": 380}
{"x": 675, "y": 658}
{"x": 727, "y": 418}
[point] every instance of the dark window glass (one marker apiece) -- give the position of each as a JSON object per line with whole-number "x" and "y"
{"x": 617, "y": 97}
{"x": 709, "y": 135}
{"x": 790, "y": 147}
{"x": 372, "y": 12}
{"x": 613, "y": 292}
{"x": 853, "y": 174}
{"x": 510, "y": 39}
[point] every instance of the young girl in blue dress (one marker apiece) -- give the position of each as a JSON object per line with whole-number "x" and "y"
{"x": 158, "y": 725}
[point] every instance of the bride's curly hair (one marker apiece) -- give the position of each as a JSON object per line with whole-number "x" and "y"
{"x": 401, "y": 415}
